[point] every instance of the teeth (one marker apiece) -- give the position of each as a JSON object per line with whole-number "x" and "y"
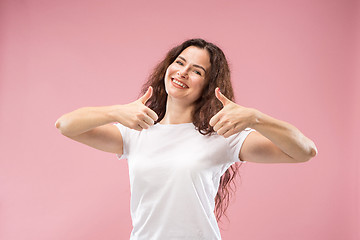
{"x": 179, "y": 83}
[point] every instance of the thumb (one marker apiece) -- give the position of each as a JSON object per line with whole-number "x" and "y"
{"x": 221, "y": 97}
{"x": 147, "y": 95}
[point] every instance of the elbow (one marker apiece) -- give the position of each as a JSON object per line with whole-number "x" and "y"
{"x": 313, "y": 152}
{"x": 310, "y": 154}
{"x": 59, "y": 124}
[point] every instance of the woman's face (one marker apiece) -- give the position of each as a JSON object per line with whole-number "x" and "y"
{"x": 185, "y": 77}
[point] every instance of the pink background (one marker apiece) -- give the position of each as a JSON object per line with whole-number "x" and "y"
{"x": 294, "y": 60}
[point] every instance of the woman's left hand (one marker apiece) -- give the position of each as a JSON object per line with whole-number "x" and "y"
{"x": 233, "y": 118}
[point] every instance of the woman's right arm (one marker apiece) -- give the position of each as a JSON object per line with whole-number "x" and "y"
{"x": 93, "y": 125}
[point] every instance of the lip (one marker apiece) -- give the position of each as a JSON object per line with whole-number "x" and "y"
{"x": 178, "y": 85}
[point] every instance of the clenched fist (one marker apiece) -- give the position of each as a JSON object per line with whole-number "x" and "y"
{"x": 232, "y": 118}
{"x": 136, "y": 115}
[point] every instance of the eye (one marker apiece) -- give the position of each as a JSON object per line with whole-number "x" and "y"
{"x": 179, "y": 62}
{"x": 197, "y": 72}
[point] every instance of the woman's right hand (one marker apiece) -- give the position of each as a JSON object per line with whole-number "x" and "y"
{"x": 136, "y": 115}
{"x": 93, "y": 125}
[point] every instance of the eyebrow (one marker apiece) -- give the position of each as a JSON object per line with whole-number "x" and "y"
{"x": 195, "y": 65}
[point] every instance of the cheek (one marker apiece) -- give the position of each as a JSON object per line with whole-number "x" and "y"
{"x": 165, "y": 79}
{"x": 200, "y": 84}
{"x": 168, "y": 73}
{"x": 170, "y": 69}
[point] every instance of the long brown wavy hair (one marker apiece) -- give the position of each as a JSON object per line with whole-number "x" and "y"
{"x": 205, "y": 107}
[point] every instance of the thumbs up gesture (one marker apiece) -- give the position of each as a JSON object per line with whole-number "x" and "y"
{"x": 137, "y": 115}
{"x": 232, "y": 118}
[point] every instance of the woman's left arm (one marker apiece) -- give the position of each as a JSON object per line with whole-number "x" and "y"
{"x": 274, "y": 141}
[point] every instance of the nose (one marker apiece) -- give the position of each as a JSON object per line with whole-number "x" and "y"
{"x": 182, "y": 73}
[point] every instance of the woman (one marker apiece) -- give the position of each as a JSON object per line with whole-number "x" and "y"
{"x": 182, "y": 138}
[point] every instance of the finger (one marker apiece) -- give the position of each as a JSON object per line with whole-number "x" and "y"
{"x": 229, "y": 132}
{"x": 232, "y": 131}
{"x": 143, "y": 124}
{"x": 214, "y": 119}
{"x": 137, "y": 127}
{"x": 148, "y": 120}
{"x": 224, "y": 129}
{"x": 218, "y": 125}
{"x": 147, "y": 95}
{"x": 151, "y": 113}
{"x": 221, "y": 97}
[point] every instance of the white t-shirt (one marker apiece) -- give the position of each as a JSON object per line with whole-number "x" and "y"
{"x": 174, "y": 177}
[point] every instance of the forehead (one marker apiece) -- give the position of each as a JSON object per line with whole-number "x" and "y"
{"x": 195, "y": 55}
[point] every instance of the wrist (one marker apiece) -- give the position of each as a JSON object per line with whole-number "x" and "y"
{"x": 112, "y": 112}
{"x": 256, "y": 118}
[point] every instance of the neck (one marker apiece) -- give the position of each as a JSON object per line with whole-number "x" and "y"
{"x": 177, "y": 113}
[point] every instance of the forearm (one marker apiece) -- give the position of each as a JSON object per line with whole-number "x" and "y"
{"x": 84, "y": 119}
{"x": 286, "y": 136}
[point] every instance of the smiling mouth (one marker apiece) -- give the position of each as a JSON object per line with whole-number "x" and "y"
{"x": 180, "y": 84}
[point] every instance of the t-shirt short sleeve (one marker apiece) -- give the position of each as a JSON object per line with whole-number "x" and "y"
{"x": 124, "y": 134}
{"x": 235, "y": 141}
